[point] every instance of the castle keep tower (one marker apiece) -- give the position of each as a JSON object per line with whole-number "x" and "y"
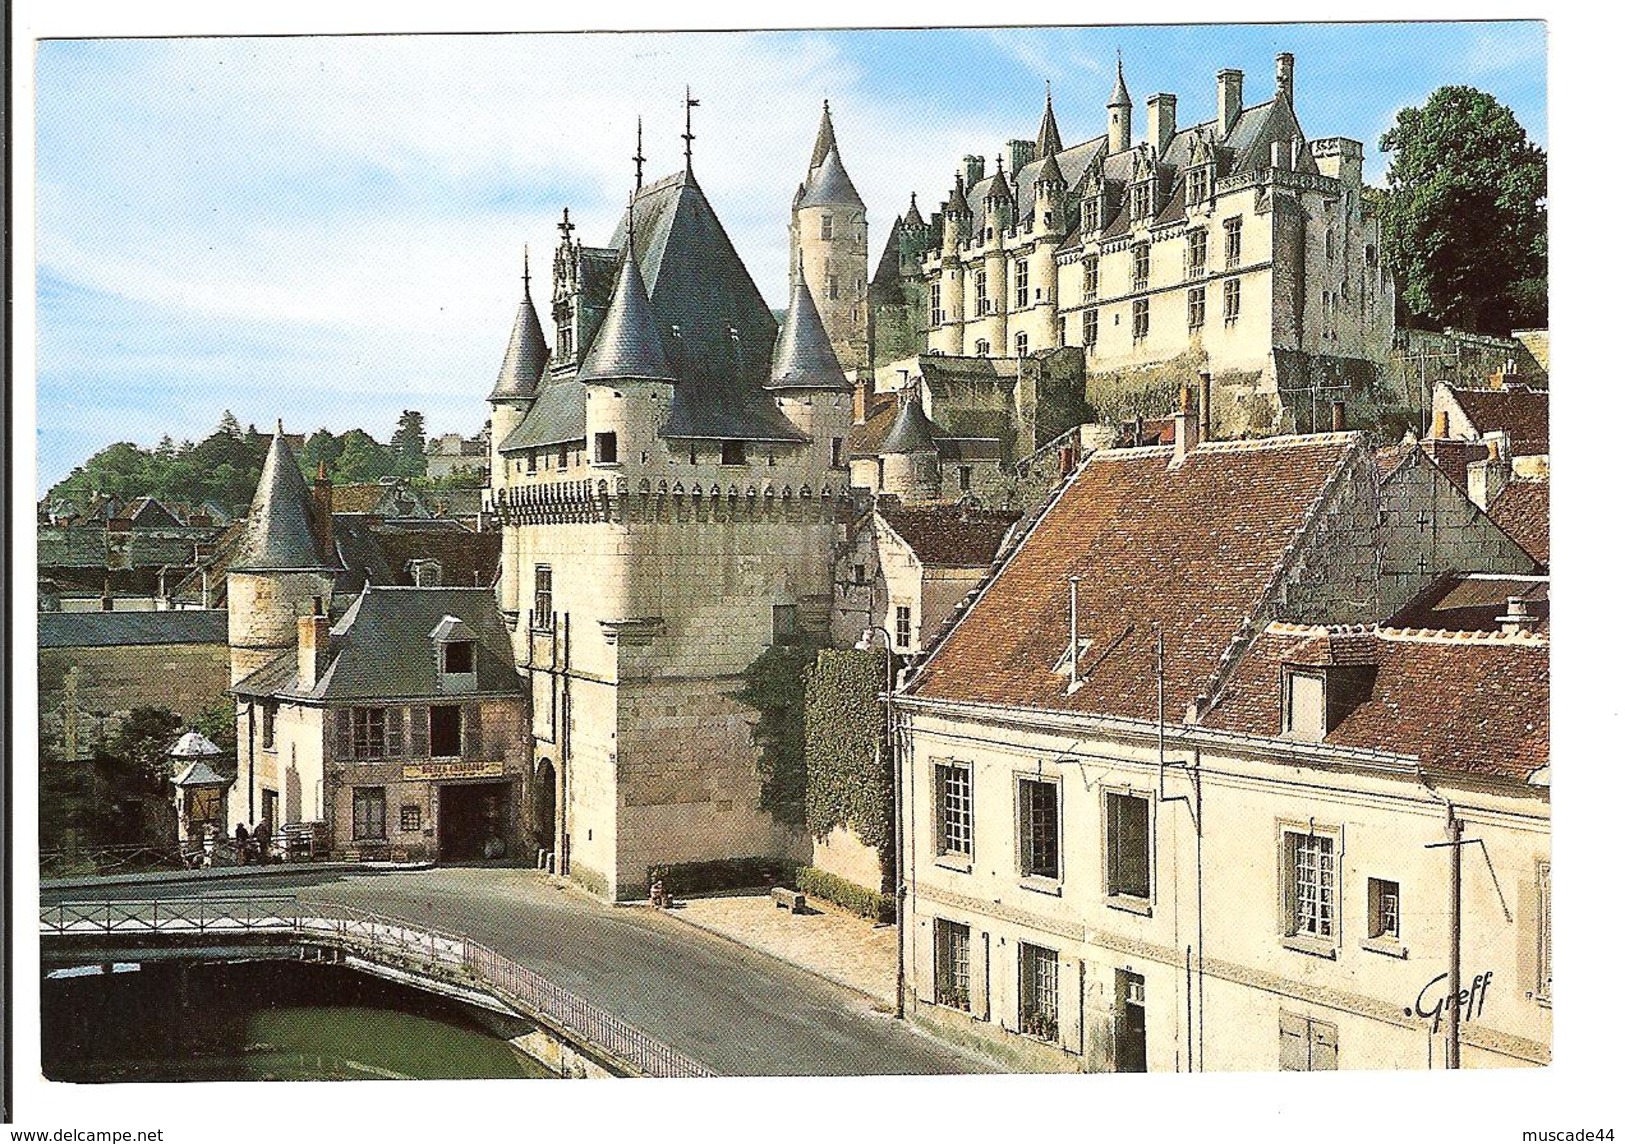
{"x": 829, "y": 248}
{"x": 671, "y": 500}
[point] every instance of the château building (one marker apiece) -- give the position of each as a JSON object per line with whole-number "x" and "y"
{"x": 829, "y": 248}
{"x": 1235, "y": 247}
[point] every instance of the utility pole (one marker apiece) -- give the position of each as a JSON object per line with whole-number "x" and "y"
{"x": 1453, "y": 842}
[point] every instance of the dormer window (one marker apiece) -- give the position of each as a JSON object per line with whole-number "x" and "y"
{"x": 1140, "y": 202}
{"x": 453, "y": 644}
{"x": 1091, "y": 214}
{"x": 1198, "y": 182}
{"x": 459, "y": 657}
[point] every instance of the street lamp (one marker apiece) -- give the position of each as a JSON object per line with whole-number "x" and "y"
{"x": 866, "y": 642}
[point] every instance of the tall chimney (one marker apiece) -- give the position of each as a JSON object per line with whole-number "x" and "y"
{"x": 1283, "y": 77}
{"x": 1339, "y": 417}
{"x": 1205, "y": 405}
{"x": 1229, "y": 99}
{"x": 972, "y": 167}
{"x": 1159, "y": 120}
{"x": 322, "y": 497}
{"x": 1518, "y": 617}
{"x": 1441, "y": 425}
{"x": 313, "y": 632}
{"x": 863, "y": 398}
{"x": 1186, "y": 428}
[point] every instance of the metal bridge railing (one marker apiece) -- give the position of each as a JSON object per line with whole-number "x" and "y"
{"x": 455, "y": 958}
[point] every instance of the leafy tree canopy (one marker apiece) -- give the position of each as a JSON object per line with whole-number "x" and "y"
{"x": 1464, "y": 214}
{"x": 409, "y": 446}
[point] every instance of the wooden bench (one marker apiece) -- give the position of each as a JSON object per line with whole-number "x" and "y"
{"x": 793, "y": 900}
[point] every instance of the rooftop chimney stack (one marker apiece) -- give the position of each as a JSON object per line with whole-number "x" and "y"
{"x": 1518, "y": 617}
{"x": 1159, "y": 120}
{"x": 1229, "y": 99}
{"x": 1205, "y": 405}
{"x": 1441, "y": 425}
{"x": 313, "y": 633}
{"x": 1339, "y": 417}
{"x": 1186, "y": 428}
{"x": 1283, "y": 77}
{"x": 863, "y": 399}
{"x": 321, "y": 495}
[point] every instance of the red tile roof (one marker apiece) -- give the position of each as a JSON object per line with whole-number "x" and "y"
{"x": 1191, "y": 551}
{"x": 1460, "y": 703}
{"x": 946, "y": 536}
{"x": 866, "y": 438}
{"x": 1523, "y": 510}
{"x": 1519, "y": 410}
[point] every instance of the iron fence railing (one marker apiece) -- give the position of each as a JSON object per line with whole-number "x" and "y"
{"x": 455, "y": 958}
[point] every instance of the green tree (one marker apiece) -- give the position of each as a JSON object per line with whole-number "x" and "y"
{"x": 408, "y": 445}
{"x": 229, "y": 425}
{"x": 361, "y": 459}
{"x": 1464, "y": 214}
{"x": 321, "y": 446}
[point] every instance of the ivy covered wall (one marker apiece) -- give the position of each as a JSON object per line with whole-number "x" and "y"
{"x": 848, "y": 763}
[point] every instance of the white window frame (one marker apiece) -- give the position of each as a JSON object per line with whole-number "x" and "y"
{"x": 1294, "y": 840}
{"x": 949, "y": 837}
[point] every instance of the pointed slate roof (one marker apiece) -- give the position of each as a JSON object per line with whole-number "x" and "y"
{"x": 803, "y": 357}
{"x": 527, "y": 355}
{"x": 1120, "y": 92}
{"x": 279, "y": 534}
{"x": 886, "y": 288}
{"x": 956, "y": 200}
{"x": 1049, "y": 172}
{"x": 912, "y": 218}
{"x": 829, "y": 185}
{"x": 628, "y": 343}
{"x": 999, "y": 189}
{"x": 1049, "y": 135}
{"x": 201, "y": 774}
{"x": 825, "y": 141}
{"x": 913, "y": 431}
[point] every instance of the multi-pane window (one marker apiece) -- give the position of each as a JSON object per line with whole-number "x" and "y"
{"x": 1198, "y": 185}
{"x": 903, "y": 621}
{"x": 1196, "y": 307}
{"x": 1091, "y": 214}
{"x": 1021, "y": 344}
{"x": 1383, "y": 906}
{"x": 936, "y": 304}
{"x": 1196, "y": 254}
{"x": 983, "y": 347}
{"x": 371, "y": 732}
{"x": 1040, "y": 973}
{"x": 368, "y": 825}
{"x": 1128, "y": 845}
{"x": 541, "y": 616}
{"x": 1142, "y": 318}
{"x": 268, "y": 726}
{"x": 1090, "y": 333}
{"x": 953, "y": 964}
{"x": 1141, "y": 200}
{"x": 1232, "y": 242}
{"x": 983, "y": 305}
{"x": 1232, "y": 300}
{"x": 1040, "y": 813}
{"x": 953, "y": 809}
{"x": 1312, "y": 869}
{"x": 1021, "y": 282}
{"x": 1091, "y": 276}
{"x": 826, "y": 230}
{"x": 411, "y": 817}
{"x": 1142, "y": 266}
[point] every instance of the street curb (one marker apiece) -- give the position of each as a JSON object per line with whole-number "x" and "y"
{"x": 226, "y": 873}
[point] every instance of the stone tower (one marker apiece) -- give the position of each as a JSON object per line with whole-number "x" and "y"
{"x": 1119, "y": 116}
{"x": 829, "y": 248}
{"x": 522, "y": 368}
{"x": 284, "y": 569}
{"x": 674, "y": 493}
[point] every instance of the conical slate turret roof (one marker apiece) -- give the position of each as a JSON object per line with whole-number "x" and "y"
{"x": 280, "y": 534}
{"x": 821, "y": 145}
{"x": 913, "y": 431}
{"x": 1049, "y": 172}
{"x": 628, "y": 343}
{"x": 912, "y": 218}
{"x": 1120, "y": 92}
{"x": 527, "y": 355}
{"x": 999, "y": 188}
{"x": 1049, "y": 135}
{"x": 956, "y": 201}
{"x": 829, "y": 185}
{"x": 803, "y": 357}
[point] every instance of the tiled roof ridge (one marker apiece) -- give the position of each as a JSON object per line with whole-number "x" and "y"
{"x": 1239, "y": 445}
{"x": 1311, "y": 631}
{"x": 1438, "y": 635}
{"x": 1212, "y": 688}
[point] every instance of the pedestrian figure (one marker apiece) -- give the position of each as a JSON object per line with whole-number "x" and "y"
{"x": 262, "y": 836}
{"x": 241, "y": 834}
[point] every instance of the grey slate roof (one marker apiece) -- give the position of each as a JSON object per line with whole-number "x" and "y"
{"x": 382, "y": 649}
{"x": 825, "y": 140}
{"x": 628, "y": 343}
{"x": 126, "y": 629}
{"x": 886, "y": 288}
{"x": 998, "y": 188}
{"x": 557, "y": 416}
{"x": 803, "y": 357}
{"x": 1120, "y": 92}
{"x": 956, "y": 199}
{"x": 829, "y": 185}
{"x": 527, "y": 355}
{"x": 912, "y": 219}
{"x": 1049, "y": 134}
{"x": 201, "y": 774}
{"x": 279, "y": 534}
{"x": 913, "y": 431}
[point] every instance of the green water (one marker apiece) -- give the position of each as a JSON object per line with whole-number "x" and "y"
{"x": 266, "y": 1021}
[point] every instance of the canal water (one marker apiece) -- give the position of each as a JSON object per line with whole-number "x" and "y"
{"x": 266, "y": 1020}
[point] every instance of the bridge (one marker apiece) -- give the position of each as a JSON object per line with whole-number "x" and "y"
{"x": 104, "y": 932}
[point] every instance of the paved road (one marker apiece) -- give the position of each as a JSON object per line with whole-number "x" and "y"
{"x": 739, "y": 1012}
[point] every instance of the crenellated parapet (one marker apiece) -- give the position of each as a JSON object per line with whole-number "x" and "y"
{"x": 622, "y": 502}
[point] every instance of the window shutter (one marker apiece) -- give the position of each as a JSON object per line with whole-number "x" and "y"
{"x": 1322, "y": 1046}
{"x": 471, "y": 731}
{"x": 392, "y": 731}
{"x": 420, "y": 732}
{"x": 1294, "y": 1043}
{"x": 343, "y": 734}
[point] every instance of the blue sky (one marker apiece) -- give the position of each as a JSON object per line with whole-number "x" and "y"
{"x": 328, "y": 230}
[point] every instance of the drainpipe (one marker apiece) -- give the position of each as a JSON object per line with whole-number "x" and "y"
{"x": 1452, "y": 1048}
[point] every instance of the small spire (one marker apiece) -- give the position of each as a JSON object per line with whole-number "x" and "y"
{"x": 689, "y": 104}
{"x": 1120, "y": 92}
{"x": 525, "y": 276}
{"x": 279, "y": 426}
{"x": 321, "y": 469}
